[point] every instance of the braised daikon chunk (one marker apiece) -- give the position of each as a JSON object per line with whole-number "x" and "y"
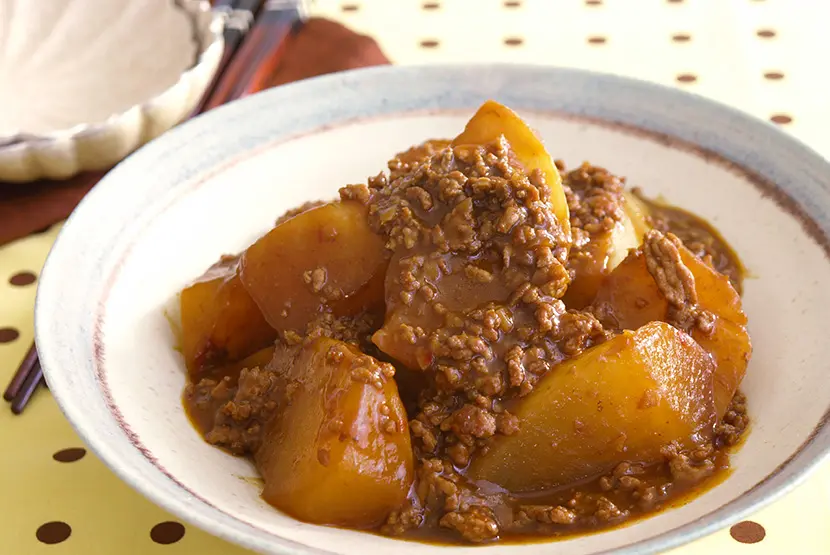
{"x": 631, "y": 297}
{"x": 322, "y": 259}
{"x": 623, "y": 400}
{"x": 339, "y": 451}
{"x": 221, "y": 324}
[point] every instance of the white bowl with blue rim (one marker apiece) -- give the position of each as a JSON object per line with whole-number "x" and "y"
{"x": 214, "y": 184}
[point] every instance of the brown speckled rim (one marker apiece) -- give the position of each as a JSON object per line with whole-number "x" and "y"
{"x": 749, "y": 501}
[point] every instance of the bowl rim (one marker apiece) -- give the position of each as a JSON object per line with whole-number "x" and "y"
{"x": 788, "y": 475}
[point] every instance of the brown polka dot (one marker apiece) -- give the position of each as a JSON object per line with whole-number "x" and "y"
{"x": 596, "y": 40}
{"x": 53, "y": 532}
{"x": 22, "y": 278}
{"x": 7, "y": 335}
{"x": 766, "y": 33}
{"x": 429, "y": 43}
{"x": 674, "y": 1}
{"x": 349, "y": 7}
{"x": 70, "y": 455}
{"x": 686, "y": 78}
{"x": 774, "y": 75}
{"x": 681, "y": 37}
{"x": 781, "y": 118}
{"x": 512, "y": 4}
{"x": 431, "y": 6}
{"x": 513, "y": 41}
{"x": 748, "y": 532}
{"x": 167, "y": 532}
{"x": 593, "y": 2}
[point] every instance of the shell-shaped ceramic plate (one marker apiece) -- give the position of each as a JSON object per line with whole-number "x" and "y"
{"x": 157, "y": 221}
{"x": 85, "y": 82}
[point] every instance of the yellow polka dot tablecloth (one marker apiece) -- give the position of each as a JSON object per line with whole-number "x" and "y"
{"x": 766, "y": 57}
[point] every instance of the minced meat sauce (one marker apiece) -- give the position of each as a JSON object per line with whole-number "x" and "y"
{"x": 478, "y": 270}
{"x": 698, "y": 236}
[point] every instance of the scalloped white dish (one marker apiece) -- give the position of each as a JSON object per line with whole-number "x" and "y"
{"x": 85, "y": 82}
{"x": 159, "y": 219}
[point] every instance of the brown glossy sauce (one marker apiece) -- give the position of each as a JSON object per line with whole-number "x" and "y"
{"x": 201, "y": 410}
{"x": 457, "y": 332}
{"x": 654, "y": 476}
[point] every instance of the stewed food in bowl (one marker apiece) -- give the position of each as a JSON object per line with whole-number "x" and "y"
{"x": 475, "y": 345}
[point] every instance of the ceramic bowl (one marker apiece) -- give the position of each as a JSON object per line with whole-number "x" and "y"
{"x": 170, "y": 210}
{"x": 85, "y": 82}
